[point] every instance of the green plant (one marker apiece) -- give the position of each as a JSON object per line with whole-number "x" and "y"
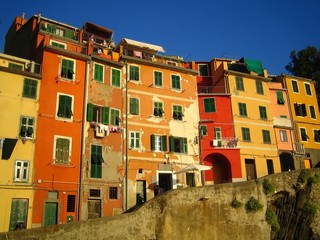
{"x": 235, "y": 203}
{"x": 309, "y": 208}
{"x": 314, "y": 179}
{"x": 268, "y": 187}
{"x": 253, "y": 205}
{"x": 272, "y": 220}
{"x": 303, "y": 176}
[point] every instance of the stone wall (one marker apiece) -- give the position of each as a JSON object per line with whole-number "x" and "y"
{"x": 190, "y": 213}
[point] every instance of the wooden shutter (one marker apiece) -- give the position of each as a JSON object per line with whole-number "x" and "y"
{"x": 185, "y": 145}
{"x": 90, "y": 112}
{"x": 164, "y": 143}
{"x": 152, "y": 142}
{"x": 171, "y": 140}
{"x": 105, "y": 115}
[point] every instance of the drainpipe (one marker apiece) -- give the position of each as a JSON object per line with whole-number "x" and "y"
{"x": 127, "y": 141}
{"x": 83, "y": 138}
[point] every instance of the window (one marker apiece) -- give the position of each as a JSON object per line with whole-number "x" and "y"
{"x": 67, "y": 69}
{"x": 134, "y": 106}
{"x": 57, "y": 44}
{"x": 26, "y": 127}
{"x": 71, "y": 203}
{"x": 158, "y": 79}
{"x": 283, "y": 136}
{"x": 308, "y": 89}
{"x": 246, "y": 134}
{"x": 280, "y": 99}
{"x": 30, "y": 88}
{"x": 312, "y": 112}
{"x": 266, "y": 136}
{"x": 259, "y": 87}
{"x": 113, "y": 193}
{"x": 209, "y": 105}
{"x": 64, "y": 106}
{"x": 19, "y": 213}
{"x": 134, "y": 73}
{"x": 21, "y": 171}
{"x": 178, "y": 145}
{"x": 158, "y": 109}
{"x": 300, "y": 109}
{"x": 96, "y": 161}
{"x": 239, "y": 83}
{"x": 295, "y": 87}
{"x": 135, "y": 140}
{"x": 96, "y": 193}
{"x": 203, "y": 130}
{"x": 62, "y": 150}
{"x": 15, "y": 66}
{"x": 303, "y": 134}
{"x": 177, "y": 112}
{"x": 98, "y": 72}
{"x": 203, "y": 70}
{"x": 270, "y": 166}
{"x": 316, "y": 133}
{"x": 175, "y": 82}
{"x": 218, "y": 136}
{"x": 158, "y": 143}
{"x": 115, "y": 75}
{"x": 263, "y": 112}
{"x": 242, "y": 109}
{"x": 115, "y": 117}
{"x": 97, "y": 114}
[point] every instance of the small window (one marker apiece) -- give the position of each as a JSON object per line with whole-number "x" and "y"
{"x": 158, "y": 109}
{"x": 312, "y": 112}
{"x": 242, "y": 109}
{"x": 158, "y": 79}
{"x": 21, "y": 172}
{"x": 96, "y": 193}
{"x": 209, "y": 105}
{"x": 26, "y": 127}
{"x": 175, "y": 82}
{"x": 203, "y": 70}
{"x": 113, "y": 193}
{"x": 134, "y": 73}
{"x": 266, "y": 136}
{"x": 135, "y": 140}
{"x": 62, "y": 150}
{"x": 239, "y": 83}
{"x": 280, "y": 99}
{"x": 263, "y": 113}
{"x": 115, "y": 117}
{"x": 97, "y": 114}
{"x": 295, "y": 87}
{"x": 71, "y": 203}
{"x": 15, "y": 66}
{"x": 270, "y": 166}
{"x": 178, "y": 144}
{"x": 177, "y": 112}
{"x": 158, "y": 143}
{"x": 57, "y": 44}
{"x": 283, "y": 136}
{"x": 64, "y": 106}
{"x": 30, "y": 88}
{"x": 246, "y": 134}
{"x": 98, "y": 72}
{"x": 259, "y": 87}
{"x": 134, "y": 106}
{"x": 67, "y": 69}
{"x": 300, "y": 109}
{"x": 303, "y": 134}
{"x": 203, "y": 130}
{"x": 308, "y": 89}
{"x": 96, "y": 161}
{"x": 115, "y": 75}
{"x": 316, "y": 133}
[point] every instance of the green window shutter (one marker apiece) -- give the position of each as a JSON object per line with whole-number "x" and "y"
{"x": 152, "y": 142}
{"x": 280, "y": 98}
{"x": 69, "y": 34}
{"x": 98, "y": 72}
{"x": 90, "y": 112}
{"x": 105, "y": 115}
{"x": 263, "y": 112}
{"x": 158, "y": 78}
{"x": 164, "y": 143}
{"x": 171, "y": 139}
{"x": 185, "y": 145}
{"x": 134, "y": 106}
{"x": 209, "y": 105}
{"x": 115, "y": 77}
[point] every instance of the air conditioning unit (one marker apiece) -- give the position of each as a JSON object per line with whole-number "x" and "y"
{"x": 99, "y": 132}
{"x": 215, "y": 143}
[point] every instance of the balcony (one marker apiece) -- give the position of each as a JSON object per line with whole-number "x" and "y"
{"x": 282, "y": 122}
{"x": 212, "y": 89}
{"x": 24, "y": 66}
{"x": 298, "y": 149}
{"x": 225, "y": 143}
{"x": 59, "y": 31}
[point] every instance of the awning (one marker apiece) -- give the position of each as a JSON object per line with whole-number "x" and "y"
{"x": 193, "y": 167}
{"x": 142, "y": 45}
{"x": 253, "y": 65}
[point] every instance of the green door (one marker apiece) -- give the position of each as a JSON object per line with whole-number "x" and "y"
{"x": 51, "y": 214}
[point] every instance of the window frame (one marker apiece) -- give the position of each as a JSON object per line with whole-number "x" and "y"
{"x": 115, "y": 79}
{"x": 64, "y": 116}
{"x": 312, "y": 111}
{"x": 98, "y": 72}
{"x": 283, "y": 135}
{"x": 245, "y": 134}
{"x": 134, "y": 106}
{"x": 58, "y": 44}
{"x": 263, "y": 113}
{"x": 239, "y": 83}
{"x": 61, "y": 69}
{"x": 181, "y": 142}
{"x": 203, "y": 130}
{"x": 242, "y": 109}
{"x": 300, "y": 109}
{"x": 158, "y": 110}
{"x": 158, "y": 143}
{"x": 21, "y": 173}
{"x": 113, "y": 193}
{"x": 115, "y": 117}
{"x": 308, "y": 89}
{"x": 200, "y": 65}
{"x": 62, "y": 161}
{"x": 30, "y": 88}
{"x": 316, "y": 135}
{"x": 96, "y": 160}
{"x": 27, "y": 126}
{"x": 280, "y": 98}
{"x": 266, "y": 137}
{"x": 303, "y": 134}
{"x": 295, "y": 86}
{"x": 134, "y": 73}
{"x": 177, "y": 112}
{"x": 135, "y": 140}
{"x": 209, "y": 105}
{"x": 94, "y": 110}
{"x": 259, "y": 87}
{"x": 176, "y": 82}
{"x": 156, "y": 79}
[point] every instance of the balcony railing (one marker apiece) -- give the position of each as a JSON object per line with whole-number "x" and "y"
{"x": 225, "y": 143}
{"x": 211, "y": 89}
{"x": 299, "y": 149}
{"x": 31, "y": 67}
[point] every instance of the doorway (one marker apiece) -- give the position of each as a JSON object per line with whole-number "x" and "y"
{"x": 94, "y": 208}
{"x": 50, "y": 213}
{"x": 165, "y": 182}
{"x": 250, "y": 169}
{"x": 141, "y": 192}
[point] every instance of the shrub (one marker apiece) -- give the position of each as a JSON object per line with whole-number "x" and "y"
{"x": 268, "y": 187}
{"x": 253, "y": 205}
{"x": 303, "y": 176}
{"x": 314, "y": 179}
{"x": 235, "y": 203}
{"x": 272, "y": 220}
{"x": 309, "y": 209}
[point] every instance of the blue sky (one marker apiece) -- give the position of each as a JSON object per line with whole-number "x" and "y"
{"x": 195, "y": 30}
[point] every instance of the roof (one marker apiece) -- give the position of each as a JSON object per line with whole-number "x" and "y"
{"x": 142, "y": 45}
{"x": 96, "y": 29}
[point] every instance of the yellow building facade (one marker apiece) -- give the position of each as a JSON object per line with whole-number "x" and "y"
{"x": 19, "y": 86}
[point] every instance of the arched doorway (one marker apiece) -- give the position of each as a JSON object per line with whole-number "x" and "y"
{"x": 221, "y": 168}
{"x": 286, "y": 161}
